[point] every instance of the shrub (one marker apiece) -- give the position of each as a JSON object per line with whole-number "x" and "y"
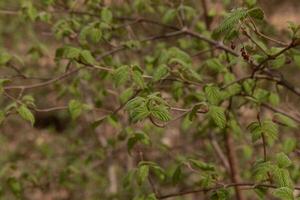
{"x": 153, "y": 100}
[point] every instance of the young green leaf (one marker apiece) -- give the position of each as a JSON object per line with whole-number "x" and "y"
{"x": 270, "y": 129}
{"x": 137, "y": 77}
{"x": 218, "y": 116}
{"x": 142, "y": 173}
{"x": 4, "y": 58}
{"x": 75, "y": 108}
{"x": 161, "y": 113}
{"x": 284, "y": 193}
{"x": 213, "y": 94}
{"x": 86, "y": 57}
{"x": 256, "y": 13}
{"x": 169, "y": 15}
{"x": 285, "y": 120}
{"x": 283, "y": 160}
{"x": 26, "y": 114}
{"x": 230, "y": 22}
{"x": 161, "y": 72}
{"x": 2, "y": 116}
{"x": 255, "y": 130}
{"x": 106, "y": 15}
{"x": 282, "y": 177}
{"x": 177, "y": 175}
{"x": 121, "y": 75}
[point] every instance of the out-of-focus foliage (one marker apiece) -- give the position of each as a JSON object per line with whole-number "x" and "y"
{"x": 146, "y": 100}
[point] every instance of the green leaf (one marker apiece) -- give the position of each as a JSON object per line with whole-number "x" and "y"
{"x": 230, "y": 22}
{"x": 29, "y": 10}
{"x": 248, "y": 85}
{"x": 177, "y": 175}
{"x": 194, "y": 75}
{"x": 151, "y": 197}
{"x": 282, "y": 177}
{"x": 26, "y": 114}
{"x": 132, "y": 44}
{"x": 137, "y": 109}
{"x": 255, "y": 130}
{"x": 270, "y": 129}
{"x": 261, "y": 95}
{"x": 251, "y": 3}
{"x": 126, "y": 95}
{"x": 68, "y": 52}
{"x": 228, "y": 26}
{"x": 261, "y": 169}
{"x": 213, "y": 94}
{"x": 142, "y": 173}
{"x": 139, "y": 113}
{"x": 86, "y": 57}
{"x": 75, "y": 108}
{"x": 283, "y": 160}
{"x": 96, "y": 35}
{"x": 4, "y": 58}
{"x": 169, "y": 16}
{"x": 121, "y": 75}
{"x": 278, "y": 62}
{"x": 218, "y": 116}
{"x": 256, "y": 13}
{"x": 289, "y": 145}
{"x": 297, "y": 60}
{"x": 127, "y": 179}
{"x": 106, "y": 15}
{"x": 161, "y": 113}
{"x": 285, "y": 120}
{"x": 2, "y": 82}
{"x": 274, "y": 99}
{"x": 284, "y": 193}
{"x": 140, "y": 137}
{"x": 160, "y": 72}
{"x": 221, "y": 194}
{"x": 135, "y": 102}
{"x": 202, "y": 165}
{"x": 215, "y": 65}
{"x": 137, "y": 77}
{"x": 2, "y": 116}
{"x": 15, "y": 186}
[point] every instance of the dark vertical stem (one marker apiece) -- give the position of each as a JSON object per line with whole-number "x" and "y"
{"x": 233, "y": 164}
{"x": 207, "y": 21}
{"x": 263, "y": 138}
{"x": 151, "y": 182}
{"x": 205, "y": 13}
{"x": 232, "y": 158}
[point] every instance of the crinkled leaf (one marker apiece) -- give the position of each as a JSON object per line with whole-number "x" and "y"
{"x": 285, "y": 120}
{"x": 26, "y": 114}
{"x": 161, "y": 72}
{"x": 142, "y": 173}
{"x": 86, "y": 57}
{"x": 284, "y": 193}
{"x": 218, "y": 116}
{"x": 213, "y": 94}
{"x": 282, "y": 160}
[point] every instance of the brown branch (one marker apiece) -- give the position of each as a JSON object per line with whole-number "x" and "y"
{"x": 45, "y": 83}
{"x": 229, "y": 185}
{"x": 281, "y": 112}
{"x": 205, "y": 14}
{"x": 217, "y": 44}
{"x": 256, "y": 31}
{"x": 233, "y": 164}
{"x": 220, "y": 153}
